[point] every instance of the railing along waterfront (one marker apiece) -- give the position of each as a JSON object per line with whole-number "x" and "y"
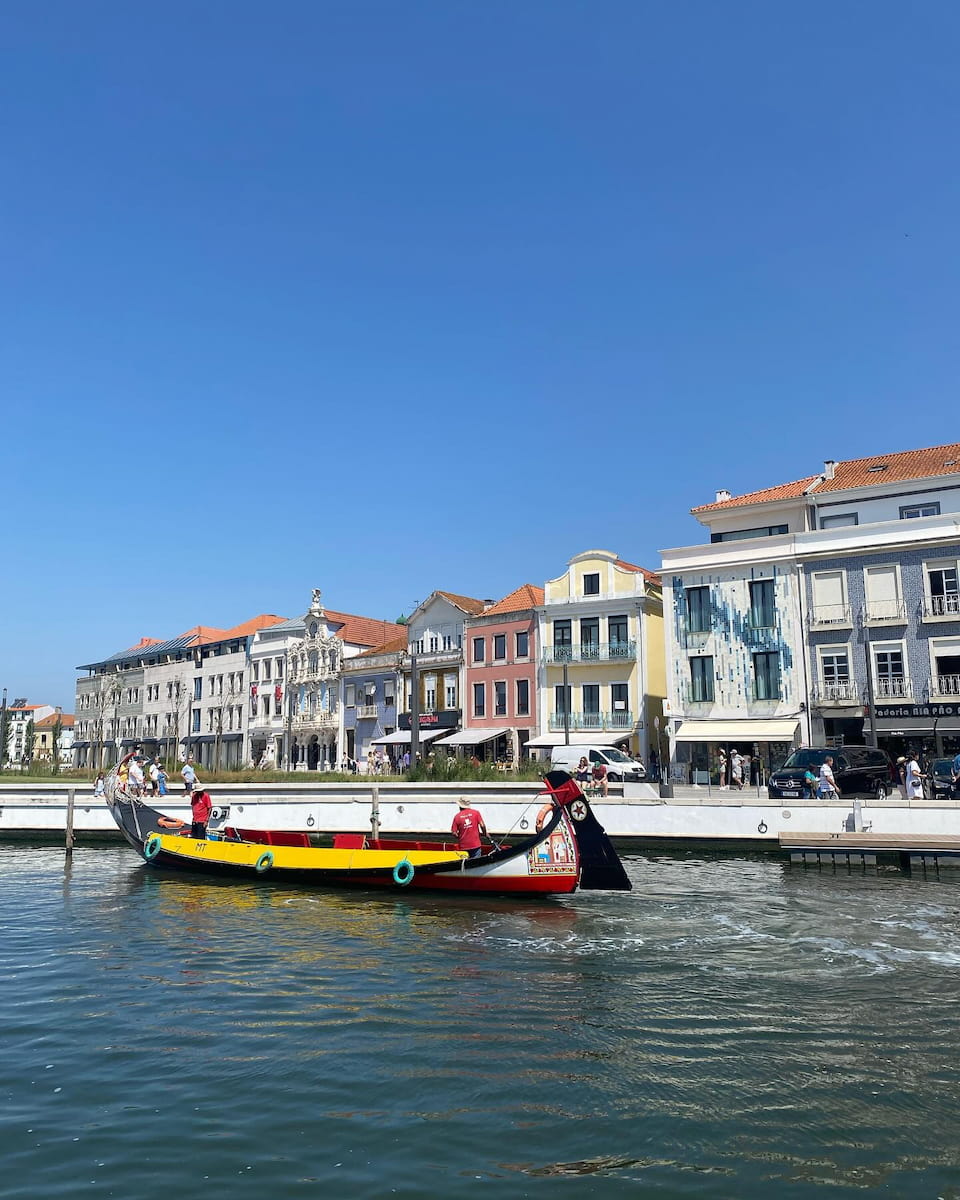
{"x": 587, "y": 652}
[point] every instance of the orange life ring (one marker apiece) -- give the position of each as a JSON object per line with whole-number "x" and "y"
{"x": 543, "y": 816}
{"x": 170, "y": 823}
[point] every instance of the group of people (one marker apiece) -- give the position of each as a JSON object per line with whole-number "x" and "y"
{"x": 135, "y": 779}
{"x": 735, "y": 771}
{"x": 594, "y": 777}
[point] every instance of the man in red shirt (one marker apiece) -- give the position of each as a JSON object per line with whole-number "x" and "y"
{"x": 469, "y": 827}
{"x": 201, "y": 806}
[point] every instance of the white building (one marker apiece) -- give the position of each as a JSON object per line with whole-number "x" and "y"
{"x": 822, "y": 610}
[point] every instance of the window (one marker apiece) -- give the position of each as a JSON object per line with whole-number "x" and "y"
{"x": 198, "y": 688}
{"x": 591, "y": 585}
{"x": 562, "y": 639}
{"x": 561, "y": 699}
{"x": 701, "y": 679}
{"x": 239, "y": 681}
{"x": 389, "y": 694}
{"x": 591, "y": 698}
{"x": 195, "y": 721}
{"x": 450, "y": 690}
{"x": 835, "y": 674}
{"x": 761, "y": 604}
{"x": 618, "y": 698}
{"x": 930, "y": 509}
{"x": 266, "y": 668}
{"x": 479, "y": 649}
{"x": 500, "y": 699}
{"x": 479, "y": 699}
{"x": 617, "y": 634}
{"x": 447, "y": 641}
{"x": 829, "y": 598}
{"x": 349, "y": 695}
{"x": 837, "y": 519}
{"x": 883, "y": 593}
{"x": 698, "y": 609}
{"x": 430, "y": 692}
{"x": 499, "y": 646}
{"x": 523, "y": 697}
{"x": 590, "y": 638}
{"x": 943, "y": 592}
{"x": 766, "y": 676}
{"x": 255, "y": 671}
{"x": 434, "y": 644}
{"x": 890, "y": 677}
{"x": 946, "y": 664}
{"x": 523, "y": 644}
{"x": 739, "y": 535}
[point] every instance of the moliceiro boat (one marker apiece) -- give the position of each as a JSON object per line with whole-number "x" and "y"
{"x": 568, "y": 850}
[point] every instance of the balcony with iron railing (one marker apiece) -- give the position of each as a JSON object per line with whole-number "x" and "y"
{"x": 836, "y": 691}
{"x": 590, "y": 652}
{"x": 365, "y": 711}
{"x": 315, "y": 720}
{"x": 942, "y": 608}
{"x": 892, "y": 687}
{"x": 622, "y": 720}
{"x": 885, "y": 612}
{"x": 829, "y": 616}
{"x": 945, "y": 687}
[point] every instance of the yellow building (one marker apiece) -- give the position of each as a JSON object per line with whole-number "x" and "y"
{"x": 602, "y": 672}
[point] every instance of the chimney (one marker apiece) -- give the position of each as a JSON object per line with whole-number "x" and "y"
{"x": 487, "y": 604}
{"x": 829, "y": 468}
{"x": 722, "y": 495}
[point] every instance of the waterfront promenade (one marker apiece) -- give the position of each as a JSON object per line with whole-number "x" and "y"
{"x": 632, "y": 812}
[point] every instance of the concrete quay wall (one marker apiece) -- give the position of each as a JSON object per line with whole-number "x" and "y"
{"x": 638, "y": 814}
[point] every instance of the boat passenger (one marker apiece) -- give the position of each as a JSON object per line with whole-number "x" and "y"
{"x": 469, "y": 827}
{"x": 201, "y": 806}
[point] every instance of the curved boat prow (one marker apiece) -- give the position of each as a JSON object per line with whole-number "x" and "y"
{"x": 600, "y": 867}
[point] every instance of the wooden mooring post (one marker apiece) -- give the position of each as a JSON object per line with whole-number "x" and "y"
{"x": 70, "y": 800}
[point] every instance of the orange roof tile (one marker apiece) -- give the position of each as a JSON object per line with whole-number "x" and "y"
{"x": 66, "y": 721}
{"x": 904, "y": 465}
{"x": 650, "y": 576}
{"x": 782, "y": 491}
{"x": 527, "y": 595}
{"x": 394, "y": 646}
{"x": 264, "y": 621}
{"x": 363, "y": 631}
{"x": 467, "y": 603}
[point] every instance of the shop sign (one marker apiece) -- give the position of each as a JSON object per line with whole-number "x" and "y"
{"x": 899, "y": 712}
{"x": 448, "y": 719}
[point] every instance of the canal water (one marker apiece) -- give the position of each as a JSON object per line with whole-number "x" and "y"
{"x": 731, "y": 1028}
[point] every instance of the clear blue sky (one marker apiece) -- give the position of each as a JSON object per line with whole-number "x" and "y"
{"x": 388, "y": 297}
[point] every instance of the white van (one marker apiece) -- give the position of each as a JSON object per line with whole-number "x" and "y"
{"x": 620, "y": 766}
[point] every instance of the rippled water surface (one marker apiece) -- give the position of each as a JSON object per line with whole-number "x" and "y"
{"x": 729, "y": 1028}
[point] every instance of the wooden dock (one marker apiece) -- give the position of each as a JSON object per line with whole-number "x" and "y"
{"x": 908, "y": 851}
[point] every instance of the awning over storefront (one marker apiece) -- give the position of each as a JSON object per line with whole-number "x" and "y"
{"x": 599, "y": 737}
{"x": 401, "y": 737}
{"x": 471, "y": 737}
{"x": 891, "y": 726}
{"x": 780, "y": 730}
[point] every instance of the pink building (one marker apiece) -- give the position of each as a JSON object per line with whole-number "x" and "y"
{"x": 500, "y": 702}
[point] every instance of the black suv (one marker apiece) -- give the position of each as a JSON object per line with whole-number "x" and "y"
{"x": 858, "y": 771}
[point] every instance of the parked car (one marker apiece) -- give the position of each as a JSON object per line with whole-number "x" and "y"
{"x": 620, "y": 766}
{"x": 858, "y": 771}
{"x": 940, "y": 783}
